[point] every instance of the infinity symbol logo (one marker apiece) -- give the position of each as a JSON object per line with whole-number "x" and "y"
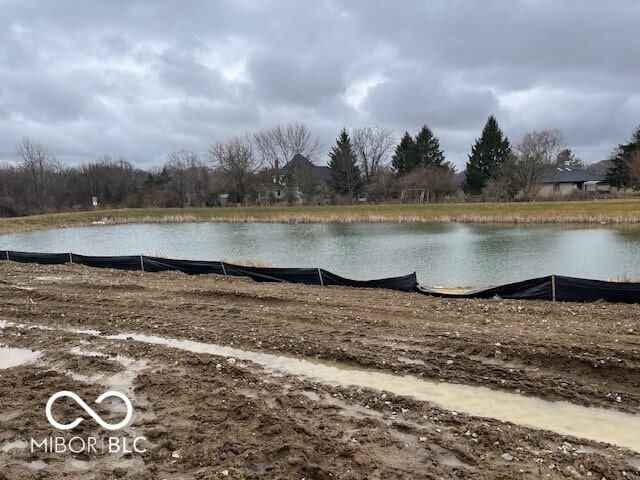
{"x": 89, "y": 410}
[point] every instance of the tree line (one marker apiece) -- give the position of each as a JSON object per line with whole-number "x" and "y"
{"x": 364, "y": 162}
{"x": 498, "y": 171}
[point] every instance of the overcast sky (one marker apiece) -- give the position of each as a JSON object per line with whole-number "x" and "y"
{"x": 140, "y": 79}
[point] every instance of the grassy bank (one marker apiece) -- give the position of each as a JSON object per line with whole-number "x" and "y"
{"x": 595, "y": 212}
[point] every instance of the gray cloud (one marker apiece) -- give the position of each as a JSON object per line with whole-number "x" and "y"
{"x": 291, "y": 79}
{"x": 179, "y": 70}
{"x": 140, "y": 79}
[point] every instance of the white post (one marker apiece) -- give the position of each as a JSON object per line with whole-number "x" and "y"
{"x": 320, "y": 275}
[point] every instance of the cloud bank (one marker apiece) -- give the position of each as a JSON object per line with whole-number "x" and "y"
{"x": 140, "y": 79}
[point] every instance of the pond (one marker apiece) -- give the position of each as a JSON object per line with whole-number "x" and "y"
{"x": 440, "y": 254}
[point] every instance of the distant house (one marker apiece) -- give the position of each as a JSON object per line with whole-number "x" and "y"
{"x": 300, "y": 180}
{"x": 563, "y": 180}
{"x": 602, "y": 167}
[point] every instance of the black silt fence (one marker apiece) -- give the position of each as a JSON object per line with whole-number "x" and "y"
{"x": 553, "y": 287}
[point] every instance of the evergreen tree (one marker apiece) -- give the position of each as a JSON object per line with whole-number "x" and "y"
{"x": 428, "y": 149}
{"x": 488, "y": 154}
{"x": 406, "y": 156}
{"x": 346, "y": 178}
{"x": 566, "y": 157}
{"x": 618, "y": 175}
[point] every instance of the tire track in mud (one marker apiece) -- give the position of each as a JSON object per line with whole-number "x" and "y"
{"x": 283, "y": 425}
{"x": 205, "y": 415}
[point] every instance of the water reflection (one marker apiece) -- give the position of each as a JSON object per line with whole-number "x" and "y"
{"x": 441, "y": 254}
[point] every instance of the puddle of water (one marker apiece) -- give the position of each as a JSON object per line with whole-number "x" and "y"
{"x": 35, "y": 465}
{"x": 16, "y": 444}
{"x": 79, "y": 377}
{"x": 6, "y": 324}
{"x": 14, "y": 357}
{"x": 80, "y": 331}
{"x": 351, "y": 410}
{"x": 313, "y": 396}
{"x": 52, "y": 278}
{"x": 450, "y": 460}
{"x": 122, "y": 380}
{"x": 7, "y": 416}
{"x": 635, "y": 463}
{"x": 75, "y": 465}
{"x": 87, "y": 353}
{"x": 131, "y": 464}
{"x": 561, "y": 417}
{"x": 407, "y": 438}
{"x": 410, "y": 361}
{"x": 246, "y": 392}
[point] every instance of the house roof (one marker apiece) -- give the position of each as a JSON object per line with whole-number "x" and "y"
{"x": 602, "y": 167}
{"x": 297, "y": 161}
{"x": 565, "y": 174}
{"x": 300, "y": 160}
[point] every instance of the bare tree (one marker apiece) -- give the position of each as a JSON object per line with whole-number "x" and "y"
{"x": 278, "y": 145}
{"x": 188, "y": 177}
{"x": 383, "y": 187}
{"x": 12, "y": 187}
{"x": 434, "y": 179}
{"x": 41, "y": 166}
{"x": 198, "y": 177}
{"x": 534, "y": 154}
{"x": 373, "y": 146}
{"x": 519, "y": 176}
{"x": 176, "y": 168}
{"x": 110, "y": 181}
{"x": 500, "y": 189}
{"x": 544, "y": 145}
{"x": 235, "y": 158}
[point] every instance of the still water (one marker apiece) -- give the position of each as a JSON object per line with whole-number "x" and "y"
{"x": 445, "y": 255}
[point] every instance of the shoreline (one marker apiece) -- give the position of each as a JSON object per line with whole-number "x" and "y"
{"x": 602, "y": 212}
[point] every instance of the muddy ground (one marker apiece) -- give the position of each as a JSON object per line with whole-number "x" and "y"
{"x": 205, "y": 416}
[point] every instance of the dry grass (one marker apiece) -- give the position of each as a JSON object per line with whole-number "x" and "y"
{"x": 248, "y": 262}
{"x": 624, "y": 278}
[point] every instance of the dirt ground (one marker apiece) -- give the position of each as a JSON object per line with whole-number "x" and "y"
{"x": 207, "y": 416}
